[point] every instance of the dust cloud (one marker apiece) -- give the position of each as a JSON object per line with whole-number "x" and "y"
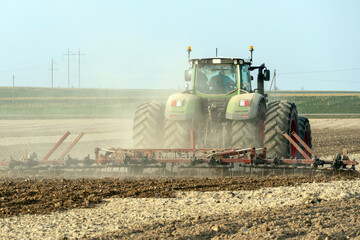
{"x": 39, "y": 136}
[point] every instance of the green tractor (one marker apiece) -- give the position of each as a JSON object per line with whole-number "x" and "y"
{"x": 221, "y": 110}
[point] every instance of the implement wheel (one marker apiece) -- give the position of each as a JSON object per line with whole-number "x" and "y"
{"x": 281, "y": 116}
{"x": 148, "y": 125}
{"x": 177, "y": 134}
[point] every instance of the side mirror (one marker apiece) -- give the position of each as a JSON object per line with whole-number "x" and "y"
{"x": 188, "y": 75}
{"x": 266, "y": 75}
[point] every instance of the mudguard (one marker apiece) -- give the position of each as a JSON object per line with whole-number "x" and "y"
{"x": 244, "y": 106}
{"x": 182, "y": 106}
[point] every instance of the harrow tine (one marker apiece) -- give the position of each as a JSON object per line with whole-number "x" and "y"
{"x": 296, "y": 146}
{"x": 192, "y": 138}
{"x": 71, "y": 146}
{"x": 56, "y": 146}
{"x": 304, "y": 145}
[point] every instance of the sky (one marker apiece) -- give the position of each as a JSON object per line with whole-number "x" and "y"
{"x": 312, "y": 45}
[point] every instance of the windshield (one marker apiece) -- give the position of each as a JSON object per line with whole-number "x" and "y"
{"x": 216, "y": 79}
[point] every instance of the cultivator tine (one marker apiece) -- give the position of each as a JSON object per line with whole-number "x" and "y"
{"x": 308, "y": 149}
{"x": 345, "y": 154}
{"x": 296, "y": 146}
{"x": 192, "y": 138}
{"x": 71, "y": 145}
{"x": 56, "y": 146}
{"x": 24, "y": 153}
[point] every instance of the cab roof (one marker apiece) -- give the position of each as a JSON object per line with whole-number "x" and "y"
{"x": 219, "y": 61}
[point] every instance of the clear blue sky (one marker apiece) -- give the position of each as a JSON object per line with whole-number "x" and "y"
{"x": 142, "y": 44}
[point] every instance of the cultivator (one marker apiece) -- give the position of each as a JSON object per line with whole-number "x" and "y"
{"x": 222, "y": 159}
{"x": 189, "y": 162}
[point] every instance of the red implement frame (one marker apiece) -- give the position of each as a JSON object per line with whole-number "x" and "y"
{"x": 211, "y": 156}
{"x": 207, "y": 157}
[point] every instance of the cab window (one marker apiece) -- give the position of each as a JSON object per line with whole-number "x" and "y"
{"x": 245, "y": 78}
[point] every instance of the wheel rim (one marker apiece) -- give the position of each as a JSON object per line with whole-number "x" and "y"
{"x": 293, "y": 129}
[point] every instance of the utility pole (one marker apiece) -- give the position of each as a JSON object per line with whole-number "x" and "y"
{"x": 52, "y": 73}
{"x": 68, "y": 55}
{"x": 275, "y": 83}
{"x": 13, "y": 89}
{"x": 79, "y": 55}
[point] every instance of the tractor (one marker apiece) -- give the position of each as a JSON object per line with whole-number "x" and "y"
{"x": 221, "y": 110}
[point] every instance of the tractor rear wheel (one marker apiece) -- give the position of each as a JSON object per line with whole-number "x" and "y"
{"x": 177, "y": 134}
{"x": 148, "y": 125}
{"x": 305, "y": 132}
{"x": 246, "y": 134}
{"x": 281, "y": 116}
{"x": 249, "y": 133}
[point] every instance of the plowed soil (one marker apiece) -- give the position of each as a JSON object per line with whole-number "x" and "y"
{"x": 332, "y": 135}
{"x": 46, "y": 195}
{"x": 322, "y": 220}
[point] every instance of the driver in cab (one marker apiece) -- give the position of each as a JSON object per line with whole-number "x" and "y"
{"x": 221, "y": 83}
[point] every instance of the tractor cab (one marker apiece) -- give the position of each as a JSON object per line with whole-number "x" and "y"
{"x": 224, "y": 76}
{"x": 219, "y": 76}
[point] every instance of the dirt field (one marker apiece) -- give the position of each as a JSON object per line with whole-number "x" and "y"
{"x": 329, "y": 136}
{"x": 39, "y": 136}
{"x": 332, "y": 135}
{"x": 168, "y": 208}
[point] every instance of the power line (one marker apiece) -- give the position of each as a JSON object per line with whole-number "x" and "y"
{"x": 315, "y": 79}
{"x": 23, "y": 68}
{"x": 322, "y": 71}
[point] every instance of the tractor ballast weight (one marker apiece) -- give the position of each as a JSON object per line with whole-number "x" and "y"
{"x": 222, "y": 110}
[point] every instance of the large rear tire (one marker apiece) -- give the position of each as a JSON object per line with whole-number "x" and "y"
{"x": 249, "y": 133}
{"x": 246, "y": 134}
{"x": 148, "y": 125}
{"x": 177, "y": 134}
{"x": 281, "y": 116}
{"x": 305, "y": 132}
